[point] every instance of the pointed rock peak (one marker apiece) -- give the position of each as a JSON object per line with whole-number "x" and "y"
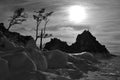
{"x": 86, "y": 32}
{"x": 85, "y": 35}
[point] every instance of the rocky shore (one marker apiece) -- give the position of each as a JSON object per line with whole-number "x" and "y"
{"x": 21, "y": 59}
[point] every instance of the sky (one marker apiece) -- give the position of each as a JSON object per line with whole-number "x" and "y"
{"x": 103, "y": 19}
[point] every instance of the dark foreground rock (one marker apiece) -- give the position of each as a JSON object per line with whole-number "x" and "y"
{"x": 24, "y": 63}
{"x": 60, "y": 60}
{"x": 4, "y": 70}
{"x": 56, "y": 59}
{"x": 84, "y": 42}
{"x": 28, "y": 76}
{"x": 86, "y": 56}
{"x": 82, "y": 64}
{"x": 16, "y": 61}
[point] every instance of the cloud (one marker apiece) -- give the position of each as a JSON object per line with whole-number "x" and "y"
{"x": 103, "y": 19}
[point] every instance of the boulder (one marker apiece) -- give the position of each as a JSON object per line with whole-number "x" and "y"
{"x": 7, "y": 47}
{"x": 19, "y": 63}
{"x": 56, "y": 58}
{"x": 36, "y": 55}
{"x": 82, "y": 64}
{"x": 5, "y": 44}
{"x": 28, "y": 76}
{"x": 4, "y": 70}
{"x": 38, "y": 58}
{"x": 72, "y": 73}
{"x": 87, "y": 56}
{"x": 31, "y": 43}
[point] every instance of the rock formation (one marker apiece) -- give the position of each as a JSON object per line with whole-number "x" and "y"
{"x": 57, "y": 44}
{"x": 82, "y": 64}
{"x": 14, "y": 36}
{"x": 19, "y": 63}
{"x": 87, "y": 42}
{"x": 84, "y": 42}
{"x": 56, "y": 59}
{"x": 86, "y": 56}
{"x": 20, "y": 60}
{"x": 29, "y": 63}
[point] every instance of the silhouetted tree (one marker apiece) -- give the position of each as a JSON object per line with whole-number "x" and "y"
{"x": 40, "y": 16}
{"x": 18, "y": 17}
{"x": 43, "y": 33}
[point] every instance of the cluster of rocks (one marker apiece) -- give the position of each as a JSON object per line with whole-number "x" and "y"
{"x": 84, "y": 42}
{"x": 17, "y": 63}
{"x": 74, "y": 66}
{"x": 26, "y": 63}
{"x": 21, "y": 59}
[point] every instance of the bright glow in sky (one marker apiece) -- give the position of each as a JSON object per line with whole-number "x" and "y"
{"x": 77, "y": 13}
{"x": 101, "y": 17}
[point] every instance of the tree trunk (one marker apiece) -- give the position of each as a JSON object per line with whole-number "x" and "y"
{"x": 41, "y": 38}
{"x": 37, "y": 31}
{"x": 9, "y": 27}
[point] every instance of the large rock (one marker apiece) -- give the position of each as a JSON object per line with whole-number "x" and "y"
{"x": 28, "y": 76}
{"x": 19, "y": 63}
{"x": 15, "y": 37}
{"x": 5, "y": 44}
{"x": 38, "y": 58}
{"x": 56, "y": 59}
{"x": 82, "y": 64}
{"x": 36, "y": 55}
{"x": 87, "y": 42}
{"x": 57, "y": 44}
{"x": 4, "y": 70}
{"x": 18, "y": 60}
{"x": 9, "y": 47}
{"x": 87, "y": 56}
{"x": 84, "y": 42}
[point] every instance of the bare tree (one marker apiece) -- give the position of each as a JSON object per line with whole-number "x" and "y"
{"x": 43, "y": 31}
{"x": 18, "y": 17}
{"x": 40, "y": 16}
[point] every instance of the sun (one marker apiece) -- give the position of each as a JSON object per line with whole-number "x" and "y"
{"x": 77, "y": 13}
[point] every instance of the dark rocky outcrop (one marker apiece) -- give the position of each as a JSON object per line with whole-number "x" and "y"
{"x": 15, "y": 37}
{"x": 57, "y": 44}
{"x": 27, "y": 60}
{"x": 84, "y": 42}
{"x": 20, "y": 63}
{"x": 87, "y": 42}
